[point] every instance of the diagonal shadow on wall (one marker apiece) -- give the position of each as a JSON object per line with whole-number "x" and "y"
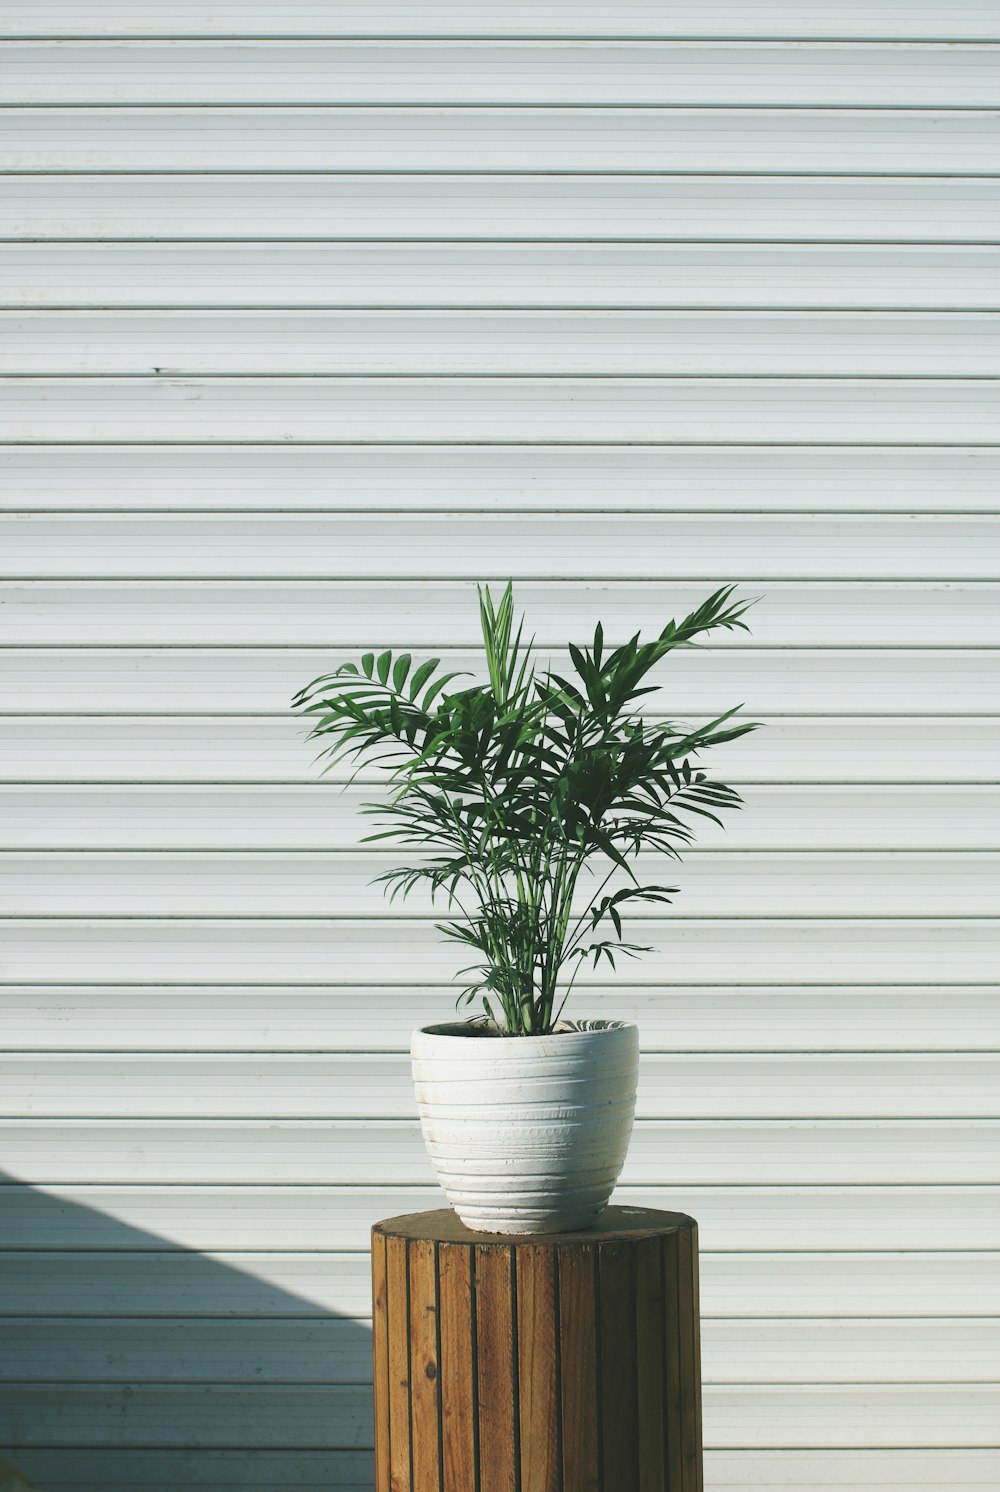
{"x": 129, "y": 1363}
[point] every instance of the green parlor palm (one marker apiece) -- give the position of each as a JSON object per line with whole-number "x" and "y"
{"x": 511, "y": 789}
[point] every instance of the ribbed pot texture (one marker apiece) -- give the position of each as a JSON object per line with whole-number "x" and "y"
{"x": 527, "y": 1133}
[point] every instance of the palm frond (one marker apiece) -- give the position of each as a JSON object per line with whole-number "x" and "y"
{"x": 512, "y": 788}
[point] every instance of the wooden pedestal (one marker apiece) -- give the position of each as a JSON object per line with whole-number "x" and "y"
{"x": 561, "y": 1362}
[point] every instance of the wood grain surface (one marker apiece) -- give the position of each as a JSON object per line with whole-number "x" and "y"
{"x": 550, "y": 1363}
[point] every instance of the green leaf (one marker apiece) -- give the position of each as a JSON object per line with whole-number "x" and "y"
{"x": 509, "y": 792}
{"x": 437, "y": 687}
{"x": 603, "y": 842}
{"x": 579, "y": 662}
{"x": 421, "y": 675}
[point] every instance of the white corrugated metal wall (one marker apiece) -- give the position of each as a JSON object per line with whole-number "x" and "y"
{"x": 315, "y": 314}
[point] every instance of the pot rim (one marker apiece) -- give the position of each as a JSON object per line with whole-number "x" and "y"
{"x": 449, "y": 1031}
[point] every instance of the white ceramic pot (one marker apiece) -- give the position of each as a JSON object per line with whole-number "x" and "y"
{"x": 527, "y": 1133}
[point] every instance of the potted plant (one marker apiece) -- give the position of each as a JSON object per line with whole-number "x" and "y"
{"x": 529, "y": 797}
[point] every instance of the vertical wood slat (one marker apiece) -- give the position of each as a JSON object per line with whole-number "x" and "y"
{"x": 695, "y": 1337}
{"x": 456, "y": 1315}
{"x": 497, "y": 1369}
{"x": 398, "y": 1338}
{"x": 425, "y": 1397}
{"x": 558, "y": 1363}
{"x": 619, "y": 1426}
{"x": 649, "y": 1364}
{"x": 538, "y": 1367}
{"x": 672, "y": 1364}
{"x": 685, "y": 1308}
{"x": 579, "y": 1388}
{"x": 380, "y": 1362}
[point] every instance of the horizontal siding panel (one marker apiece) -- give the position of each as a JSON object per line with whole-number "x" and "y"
{"x": 260, "y": 681}
{"x": 111, "y": 1470}
{"x": 491, "y": 72}
{"x": 172, "y": 749}
{"x": 287, "y": 1017}
{"x": 240, "y": 749}
{"x": 350, "y": 1153}
{"x": 332, "y": 1351}
{"x": 296, "y": 1415}
{"x": 270, "y": 1353}
{"x": 126, "y": 138}
{"x": 356, "y": 1086}
{"x": 328, "y": 817}
{"x": 932, "y": 1415}
{"x": 419, "y": 614}
{"x": 379, "y": 274}
{"x": 846, "y": 1471}
{"x": 467, "y": 207}
{"x": 165, "y": 883}
{"x": 549, "y": 343}
{"x": 875, "y": 1352}
{"x": 715, "y": 951}
{"x": 848, "y": 1285}
{"x": 302, "y": 1286}
{"x": 905, "y": 19}
{"x": 264, "y": 1286}
{"x": 503, "y": 410}
{"x": 577, "y": 478}
{"x": 741, "y": 1218}
{"x": 161, "y": 1415}
{"x": 454, "y": 545}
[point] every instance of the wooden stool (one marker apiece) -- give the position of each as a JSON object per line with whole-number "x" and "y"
{"x": 561, "y": 1362}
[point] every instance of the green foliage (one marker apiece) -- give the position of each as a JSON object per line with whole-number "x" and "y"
{"x": 512, "y": 789}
